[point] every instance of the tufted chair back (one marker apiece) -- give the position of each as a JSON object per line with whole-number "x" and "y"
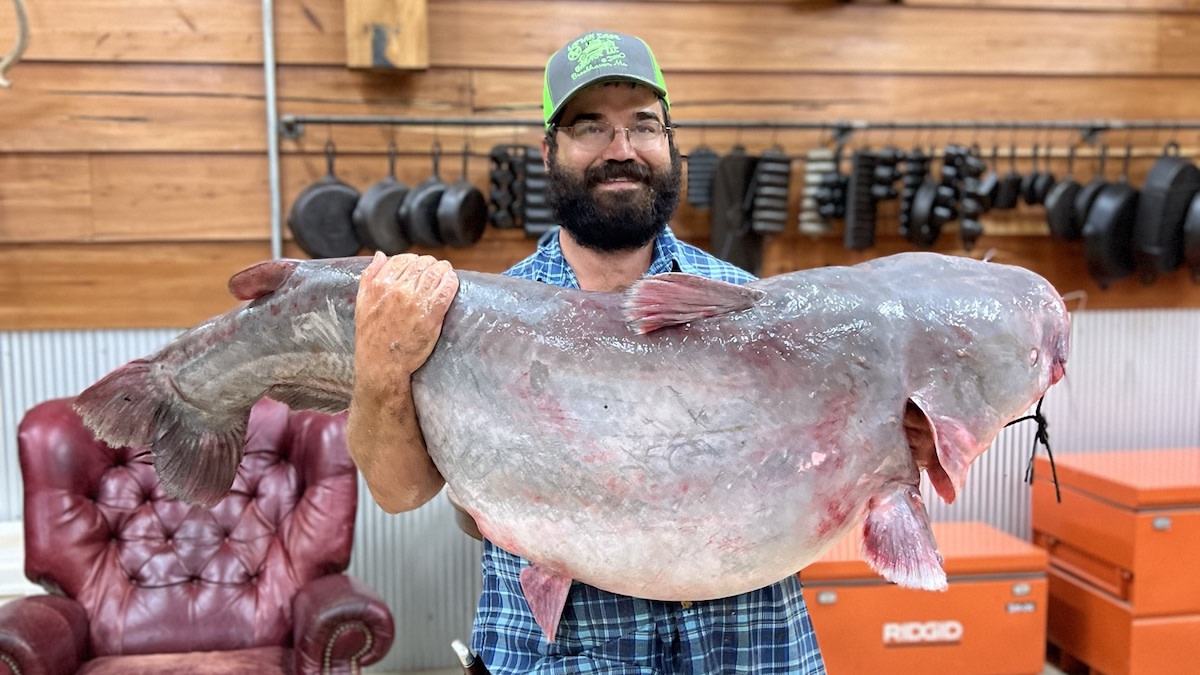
{"x": 156, "y": 575}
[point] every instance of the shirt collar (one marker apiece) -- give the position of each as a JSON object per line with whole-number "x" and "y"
{"x": 553, "y": 267}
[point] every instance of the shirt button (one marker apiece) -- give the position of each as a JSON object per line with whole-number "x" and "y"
{"x": 686, "y": 604}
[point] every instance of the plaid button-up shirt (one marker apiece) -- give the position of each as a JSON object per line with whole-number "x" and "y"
{"x": 763, "y": 632}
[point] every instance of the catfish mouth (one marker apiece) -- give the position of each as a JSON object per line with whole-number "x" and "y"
{"x": 923, "y": 444}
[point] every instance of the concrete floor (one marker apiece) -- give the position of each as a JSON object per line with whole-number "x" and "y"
{"x": 1050, "y": 670}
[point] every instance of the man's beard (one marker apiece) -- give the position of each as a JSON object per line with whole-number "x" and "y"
{"x": 620, "y": 220}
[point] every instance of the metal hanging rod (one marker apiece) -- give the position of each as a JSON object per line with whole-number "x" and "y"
{"x": 292, "y": 126}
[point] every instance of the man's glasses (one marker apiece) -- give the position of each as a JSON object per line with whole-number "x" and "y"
{"x": 597, "y": 134}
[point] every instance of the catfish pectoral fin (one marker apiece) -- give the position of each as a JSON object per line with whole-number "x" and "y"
{"x": 195, "y": 456}
{"x": 546, "y": 593}
{"x": 898, "y": 542}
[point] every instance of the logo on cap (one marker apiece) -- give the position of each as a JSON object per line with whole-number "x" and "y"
{"x": 595, "y": 50}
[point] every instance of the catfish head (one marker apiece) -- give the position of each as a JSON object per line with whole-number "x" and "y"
{"x": 986, "y": 355}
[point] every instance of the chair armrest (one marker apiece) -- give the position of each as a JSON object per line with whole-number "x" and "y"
{"x": 43, "y": 634}
{"x": 339, "y": 620}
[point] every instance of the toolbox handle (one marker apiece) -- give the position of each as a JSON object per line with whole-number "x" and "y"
{"x": 1114, "y": 580}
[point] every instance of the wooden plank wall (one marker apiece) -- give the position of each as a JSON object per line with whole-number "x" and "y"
{"x": 134, "y": 173}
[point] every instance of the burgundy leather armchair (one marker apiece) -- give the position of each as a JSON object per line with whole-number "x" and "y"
{"x": 139, "y": 583}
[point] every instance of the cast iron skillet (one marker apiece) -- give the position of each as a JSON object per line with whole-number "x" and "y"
{"x": 1191, "y": 238}
{"x": 1158, "y": 230}
{"x": 1060, "y": 204}
{"x": 990, "y": 184}
{"x": 321, "y": 218}
{"x": 462, "y": 211}
{"x": 1108, "y": 231}
{"x": 1087, "y": 194}
{"x": 1009, "y": 189}
{"x": 375, "y": 218}
{"x": 418, "y": 212}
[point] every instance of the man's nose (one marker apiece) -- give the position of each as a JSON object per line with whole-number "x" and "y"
{"x": 619, "y": 148}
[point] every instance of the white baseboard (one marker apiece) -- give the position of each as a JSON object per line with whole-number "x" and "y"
{"x": 13, "y": 583}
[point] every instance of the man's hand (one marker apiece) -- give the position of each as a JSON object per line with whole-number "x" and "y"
{"x": 401, "y": 304}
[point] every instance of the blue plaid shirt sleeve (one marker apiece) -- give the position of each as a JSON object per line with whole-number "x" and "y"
{"x": 763, "y": 632}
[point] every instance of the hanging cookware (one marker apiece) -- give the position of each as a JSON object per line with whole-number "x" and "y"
{"x": 418, "y": 213}
{"x": 989, "y": 185}
{"x": 701, "y": 167}
{"x": 831, "y": 191}
{"x": 1191, "y": 238}
{"x": 537, "y": 216}
{"x": 916, "y": 168}
{"x": 462, "y": 211}
{"x": 1087, "y": 193}
{"x": 1008, "y": 192}
{"x": 1108, "y": 230}
{"x": 1166, "y": 195}
{"x": 861, "y": 207}
{"x": 772, "y": 180}
{"x": 817, "y": 162}
{"x": 322, "y": 217}
{"x": 1045, "y": 180}
{"x": 1060, "y": 204}
{"x": 501, "y": 178}
{"x": 934, "y": 204}
{"x": 375, "y": 219}
{"x": 971, "y": 199}
{"x": 733, "y": 240}
{"x": 1030, "y": 180}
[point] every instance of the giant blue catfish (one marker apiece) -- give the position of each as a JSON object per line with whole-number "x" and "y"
{"x": 687, "y": 439}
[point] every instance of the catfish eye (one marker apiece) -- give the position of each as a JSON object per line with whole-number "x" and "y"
{"x": 1033, "y": 356}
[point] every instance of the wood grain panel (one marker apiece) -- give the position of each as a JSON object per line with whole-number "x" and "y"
{"x": 154, "y": 285}
{"x": 1123, "y": 6}
{"x": 181, "y": 197}
{"x": 45, "y": 198}
{"x": 181, "y": 108}
{"x": 183, "y": 31}
{"x": 849, "y": 38}
{"x": 101, "y": 106}
{"x": 179, "y": 285}
{"x": 700, "y": 37}
{"x": 171, "y": 108}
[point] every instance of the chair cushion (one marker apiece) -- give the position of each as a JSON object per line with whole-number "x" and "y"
{"x": 260, "y": 661}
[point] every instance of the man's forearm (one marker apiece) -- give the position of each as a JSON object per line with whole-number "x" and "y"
{"x": 386, "y": 444}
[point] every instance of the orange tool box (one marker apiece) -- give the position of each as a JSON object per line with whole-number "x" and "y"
{"x": 990, "y": 621}
{"x": 1124, "y": 591}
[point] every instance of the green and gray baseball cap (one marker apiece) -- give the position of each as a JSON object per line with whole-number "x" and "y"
{"x": 598, "y": 56}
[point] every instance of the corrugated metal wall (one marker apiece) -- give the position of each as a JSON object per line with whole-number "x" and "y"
{"x": 1133, "y": 381}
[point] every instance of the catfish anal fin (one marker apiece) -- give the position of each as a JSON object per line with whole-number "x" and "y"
{"x": 898, "y": 542}
{"x": 546, "y": 593}
{"x": 676, "y": 298}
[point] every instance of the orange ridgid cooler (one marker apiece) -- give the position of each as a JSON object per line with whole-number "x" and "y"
{"x": 990, "y": 621}
{"x": 1123, "y": 544}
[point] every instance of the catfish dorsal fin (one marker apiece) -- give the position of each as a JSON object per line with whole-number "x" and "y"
{"x": 261, "y": 278}
{"x": 546, "y": 593}
{"x": 675, "y": 298}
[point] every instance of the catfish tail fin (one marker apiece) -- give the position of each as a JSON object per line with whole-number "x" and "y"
{"x": 195, "y": 456}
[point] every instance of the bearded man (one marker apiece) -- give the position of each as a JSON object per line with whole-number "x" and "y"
{"x": 613, "y": 180}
